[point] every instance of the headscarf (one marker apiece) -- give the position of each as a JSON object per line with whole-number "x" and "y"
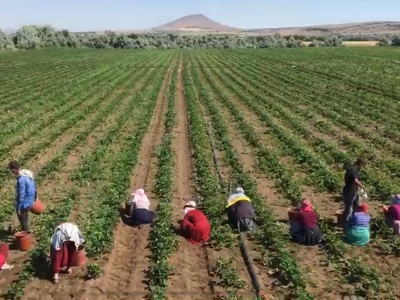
{"x": 191, "y": 205}
{"x": 140, "y": 199}
{"x": 27, "y": 173}
{"x": 238, "y": 195}
{"x": 305, "y": 205}
{"x": 396, "y": 199}
{"x": 66, "y": 232}
{"x": 363, "y": 207}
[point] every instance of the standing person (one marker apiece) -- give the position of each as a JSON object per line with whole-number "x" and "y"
{"x": 195, "y": 226}
{"x": 140, "y": 208}
{"x": 64, "y": 243}
{"x": 240, "y": 211}
{"x": 351, "y": 185}
{"x": 25, "y": 193}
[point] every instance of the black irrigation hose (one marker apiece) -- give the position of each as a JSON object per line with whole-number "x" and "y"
{"x": 241, "y": 236}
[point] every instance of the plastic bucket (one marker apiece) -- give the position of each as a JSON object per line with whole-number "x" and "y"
{"x": 128, "y": 208}
{"x": 4, "y": 248}
{"x": 23, "y": 240}
{"x": 339, "y": 216}
{"x": 292, "y": 213}
{"x": 37, "y": 207}
{"x": 79, "y": 257}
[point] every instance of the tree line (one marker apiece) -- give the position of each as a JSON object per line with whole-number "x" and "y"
{"x": 37, "y": 37}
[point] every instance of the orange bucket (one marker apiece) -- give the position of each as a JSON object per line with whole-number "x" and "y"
{"x": 4, "y": 248}
{"x": 292, "y": 213}
{"x": 339, "y": 216}
{"x": 23, "y": 240}
{"x": 79, "y": 257}
{"x": 37, "y": 207}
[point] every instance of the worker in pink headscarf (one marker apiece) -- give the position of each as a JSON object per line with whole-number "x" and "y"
{"x": 305, "y": 229}
{"x": 140, "y": 208}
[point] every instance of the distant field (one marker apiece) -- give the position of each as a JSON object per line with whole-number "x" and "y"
{"x": 95, "y": 125}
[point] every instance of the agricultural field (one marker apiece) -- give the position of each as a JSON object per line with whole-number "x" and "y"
{"x": 94, "y": 125}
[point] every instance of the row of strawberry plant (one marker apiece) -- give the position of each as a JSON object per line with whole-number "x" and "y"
{"x": 163, "y": 241}
{"x": 103, "y": 218}
{"x": 208, "y": 191}
{"x": 381, "y": 186}
{"x": 43, "y": 225}
{"x": 335, "y": 248}
{"x": 269, "y": 235}
{"x": 58, "y": 161}
{"x": 300, "y": 80}
{"x": 31, "y": 108}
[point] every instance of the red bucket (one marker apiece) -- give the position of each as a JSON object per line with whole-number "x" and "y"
{"x": 80, "y": 257}
{"x": 292, "y": 213}
{"x": 37, "y": 207}
{"x": 4, "y": 248}
{"x": 23, "y": 240}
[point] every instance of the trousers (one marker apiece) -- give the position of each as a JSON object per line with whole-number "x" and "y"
{"x": 23, "y": 219}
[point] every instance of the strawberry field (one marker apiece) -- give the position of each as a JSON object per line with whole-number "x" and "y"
{"x": 95, "y": 125}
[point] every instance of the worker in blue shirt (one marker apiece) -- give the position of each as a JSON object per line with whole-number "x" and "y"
{"x": 25, "y": 193}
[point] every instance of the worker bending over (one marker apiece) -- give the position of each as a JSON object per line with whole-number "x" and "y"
{"x": 64, "y": 244}
{"x": 195, "y": 226}
{"x": 240, "y": 211}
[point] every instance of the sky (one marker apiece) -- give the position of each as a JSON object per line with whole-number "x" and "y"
{"x": 97, "y": 15}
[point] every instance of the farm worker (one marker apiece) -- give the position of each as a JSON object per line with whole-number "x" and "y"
{"x": 305, "y": 230}
{"x": 357, "y": 228}
{"x": 351, "y": 185}
{"x": 195, "y": 226}
{"x": 3, "y": 265}
{"x": 240, "y": 211}
{"x": 64, "y": 243}
{"x": 392, "y": 214}
{"x": 140, "y": 205}
{"x": 25, "y": 193}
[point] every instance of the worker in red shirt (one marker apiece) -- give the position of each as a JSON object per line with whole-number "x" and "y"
{"x": 305, "y": 229}
{"x": 195, "y": 226}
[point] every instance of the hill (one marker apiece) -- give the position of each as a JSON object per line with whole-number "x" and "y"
{"x": 194, "y": 23}
{"x": 201, "y": 23}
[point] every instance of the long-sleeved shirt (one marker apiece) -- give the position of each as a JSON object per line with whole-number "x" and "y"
{"x": 25, "y": 192}
{"x": 307, "y": 219}
{"x": 394, "y": 212}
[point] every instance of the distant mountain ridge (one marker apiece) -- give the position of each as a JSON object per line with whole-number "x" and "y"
{"x": 195, "y": 22}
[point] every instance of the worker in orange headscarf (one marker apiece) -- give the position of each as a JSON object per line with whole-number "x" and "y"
{"x": 305, "y": 229}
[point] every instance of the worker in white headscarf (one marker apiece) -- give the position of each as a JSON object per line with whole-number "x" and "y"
{"x": 64, "y": 244}
{"x": 140, "y": 208}
{"x": 195, "y": 226}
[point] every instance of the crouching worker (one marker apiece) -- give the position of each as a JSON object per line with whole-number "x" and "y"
{"x": 64, "y": 243}
{"x": 392, "y": 214}
{"x": 240, "y": 211}
{"x": 140, "y": 209}
{"x": 195, "y": 226}
{"x": 357, "y": 228}
{"x": 3, "y": 264}
{"x": 304, "y": 229}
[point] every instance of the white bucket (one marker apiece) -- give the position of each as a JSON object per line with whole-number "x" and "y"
{"x": 362, "y": 194}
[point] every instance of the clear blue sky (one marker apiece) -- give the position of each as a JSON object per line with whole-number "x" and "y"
{"x": 144, "y": 14}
